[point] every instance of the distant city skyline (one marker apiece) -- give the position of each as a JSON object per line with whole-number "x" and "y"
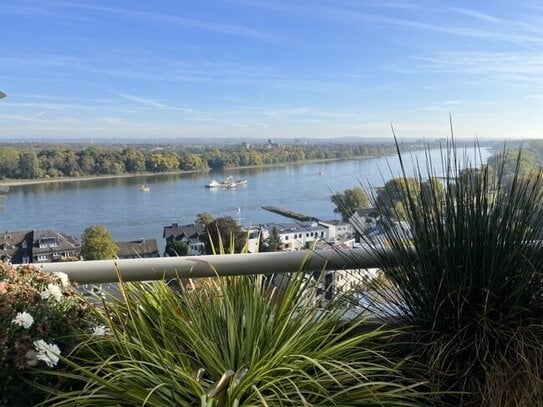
{"x": 276, "y": 69}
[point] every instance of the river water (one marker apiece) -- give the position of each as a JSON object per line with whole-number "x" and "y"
{"x": 130, "y": 214}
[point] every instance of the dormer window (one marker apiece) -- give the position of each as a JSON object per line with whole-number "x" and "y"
{"x": 48, "y": 242}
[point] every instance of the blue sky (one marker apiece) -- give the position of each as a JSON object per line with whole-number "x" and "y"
{"x": 270, "y": 68}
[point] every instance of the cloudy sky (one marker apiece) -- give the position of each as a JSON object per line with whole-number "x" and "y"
{"x": 270, "y": 68}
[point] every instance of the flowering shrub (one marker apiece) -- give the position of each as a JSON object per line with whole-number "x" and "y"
{"x": 41, "y": 315}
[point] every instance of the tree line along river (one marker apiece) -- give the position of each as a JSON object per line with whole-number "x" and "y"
{"x": 130, "y": 214}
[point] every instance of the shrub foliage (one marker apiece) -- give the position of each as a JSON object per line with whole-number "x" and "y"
{"x": 41, "y": 316}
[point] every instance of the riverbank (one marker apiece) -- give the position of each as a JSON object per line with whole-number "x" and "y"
{"x": 21, "y": 182}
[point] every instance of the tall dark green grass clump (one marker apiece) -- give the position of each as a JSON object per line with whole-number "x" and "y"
{"x": 467, "y": 279}
{"x": 233, "y": 342}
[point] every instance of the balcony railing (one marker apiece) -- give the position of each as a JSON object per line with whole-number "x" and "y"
{"x": 105, "y": 271}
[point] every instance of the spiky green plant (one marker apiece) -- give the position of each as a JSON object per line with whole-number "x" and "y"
{"x": 234, "y": 341}
{"x": 467, "y": 277}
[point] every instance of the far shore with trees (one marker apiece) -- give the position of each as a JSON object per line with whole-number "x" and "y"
{"x": 23, "y": 164}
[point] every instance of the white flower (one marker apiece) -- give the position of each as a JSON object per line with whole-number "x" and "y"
{"x": 46, "y": 352}
{"x": 63, "y": 277}
{"x": 52, "y": 290}
{"x": 31, "y": 358}
{"x": 23, "y": 319}
{"x": 100, "y": 330}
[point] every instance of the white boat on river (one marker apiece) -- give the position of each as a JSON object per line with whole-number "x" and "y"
{"x": 228, "y": 182}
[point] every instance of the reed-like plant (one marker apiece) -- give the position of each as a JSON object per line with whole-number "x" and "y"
{"x": 467, "y": 278}
{"x": 231, "y": 342}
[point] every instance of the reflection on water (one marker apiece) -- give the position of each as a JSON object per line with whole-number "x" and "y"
{"x": 104, "y": 183}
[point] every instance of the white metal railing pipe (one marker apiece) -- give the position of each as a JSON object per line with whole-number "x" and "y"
{"x": 105, "y": 271}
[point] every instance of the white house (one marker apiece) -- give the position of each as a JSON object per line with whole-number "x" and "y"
{"x": 296, "y": 235}
{"x": 338, "y": 230}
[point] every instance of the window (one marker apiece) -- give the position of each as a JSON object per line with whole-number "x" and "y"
{"x": 42, "y": 257}
{"x": 48, "y": 242}
{"x": 286, "y": 237}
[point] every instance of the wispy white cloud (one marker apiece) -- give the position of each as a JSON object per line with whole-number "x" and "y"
{"x": 28, "y": 8}
{"x": 450, "y": 102}
{"x": 46, "y": 105}
{"x": 442, "y": 106}
{"x": 475, "y": 14}
{"x": 155, "y": 104}
{"x": 435, "y": 18}
{"x": 510, "y": 66}
{"x": 148, "y": 16}
{"x": 142, "y": 100}
{"x": 19, "y": 117}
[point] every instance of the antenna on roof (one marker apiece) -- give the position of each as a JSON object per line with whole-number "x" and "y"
{"x": 238, "y": 212}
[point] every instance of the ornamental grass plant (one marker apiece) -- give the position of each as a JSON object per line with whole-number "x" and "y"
{"x": 234, "y": 341}
{"x": 466, "y": 279}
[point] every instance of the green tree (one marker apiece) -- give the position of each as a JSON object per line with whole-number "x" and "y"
{"x": 51, "y": 161}
{"x": 177, "y": 248}
{"x": 29, "y": 165}
{"x": 70, "y": 164}
{"x": 162, "y": 162}
{"x": 526, "y": 160}
{"x": 476, "y": 178}
{"x": 393, "y": 194}
{"x": 349, "y": 201}
{"x": 87, "y": 162}
{"x": 224, "y": 235}
{"x": 255, "y": 158}
{"x": 433, "y": 189}
{"x": 134, "y": 160}
{"x": 97, "y": 244}
{"x": 272, "y": 243}
{"x": 9, "y": 162}
{"x": 109, "y": 162}
{"x": 205, "y": 218}
{"x": 193, "y": 162}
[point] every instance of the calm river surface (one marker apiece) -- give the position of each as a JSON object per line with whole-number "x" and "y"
{"x": 130, "y": 214}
